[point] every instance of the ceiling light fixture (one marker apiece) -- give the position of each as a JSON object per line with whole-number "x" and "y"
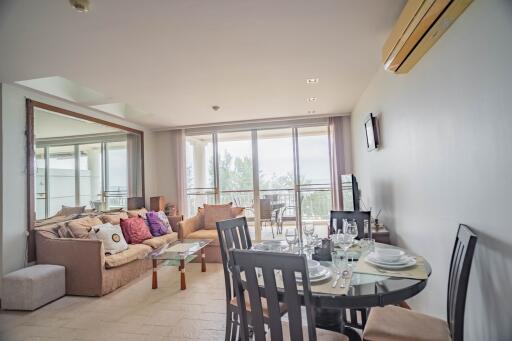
{"x": 312, "y": 81}
{"x": 312, "y": 99}
{"x": 311, "y": 111}
{"x": 80, "y": 5}
{"x": 215, "y": 108}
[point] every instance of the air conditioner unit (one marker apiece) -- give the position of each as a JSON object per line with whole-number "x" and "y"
{"x": 420, "y": 25}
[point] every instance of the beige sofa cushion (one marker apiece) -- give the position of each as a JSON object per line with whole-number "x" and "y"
{"x": 215, "y": 213}
{"x": 114, "y": 218}
{"x": 391, "y": 323}
{"x": 235, "y": 212}
{"x": 54, "y": 220}
{"x": 135, "y": 251}
{"x": 137, "y": 213}
{"x": 80, "y": 227}
{"x": 68, "y": 210}
{"x": 157, "y": 242}
{"x": 205, "y": 234}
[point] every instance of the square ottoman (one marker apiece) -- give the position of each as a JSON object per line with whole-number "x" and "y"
{"x": 33, "y": 286}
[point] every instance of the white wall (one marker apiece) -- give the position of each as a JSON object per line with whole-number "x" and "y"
{"x": 166, "y": 172}
{"x": 14, "y": 203}
{"x": 446, "y": 159}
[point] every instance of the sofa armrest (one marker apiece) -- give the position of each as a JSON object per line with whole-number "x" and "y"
{"x": 84, "y": 260}
{"x": 188, "y": 226}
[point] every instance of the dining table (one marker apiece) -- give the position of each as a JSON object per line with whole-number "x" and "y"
{"x": 368, "y": 286}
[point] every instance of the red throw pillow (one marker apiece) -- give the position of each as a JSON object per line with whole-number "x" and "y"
{"x": 135, "y": 230}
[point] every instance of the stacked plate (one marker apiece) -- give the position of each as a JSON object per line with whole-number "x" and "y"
{"x": 270, "y": 245}
{"x": 390, "y": 258}
{"x": 317, "y": 272}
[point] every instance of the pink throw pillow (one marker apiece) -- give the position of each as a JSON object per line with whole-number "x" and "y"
{"x": 135, "y": 230}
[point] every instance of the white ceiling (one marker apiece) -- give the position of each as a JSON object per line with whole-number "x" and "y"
{"x": 174, "y": 59}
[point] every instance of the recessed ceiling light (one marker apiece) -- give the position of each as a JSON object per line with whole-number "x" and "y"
{"x": 311, "y": 111}
{"x": 312, "y": 99}
{"x": 312, "y": 81}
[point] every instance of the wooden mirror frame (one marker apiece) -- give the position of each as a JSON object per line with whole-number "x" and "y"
{"x": 30, "y": 151}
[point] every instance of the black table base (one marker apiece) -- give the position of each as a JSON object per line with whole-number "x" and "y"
{"x": 332, "y": 319}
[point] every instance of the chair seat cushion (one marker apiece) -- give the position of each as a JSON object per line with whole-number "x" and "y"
{"x": 391, "y": 323}
{"x": 134, "y": 252}
{"x": 157, "y": 242}
{"x": 205, "y": 234}
{"x": 321, "y": 334}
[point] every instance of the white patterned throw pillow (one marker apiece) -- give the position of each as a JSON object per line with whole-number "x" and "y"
{"x": 163, "y": 218}
{"x": 112, "y": 237}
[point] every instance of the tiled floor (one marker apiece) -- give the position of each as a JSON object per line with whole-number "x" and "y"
{"x": 134, "y": 312}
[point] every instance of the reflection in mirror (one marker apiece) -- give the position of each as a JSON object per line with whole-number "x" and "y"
{"x": 80, "y": 163}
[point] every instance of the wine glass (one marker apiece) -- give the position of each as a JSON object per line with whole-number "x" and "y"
{"x": 291, "y": 237}
{"x": 309, "y": 229}
{"x": 352, "y": 232}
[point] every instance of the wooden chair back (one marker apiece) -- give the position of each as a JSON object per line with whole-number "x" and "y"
{"x": 358, "y": 216}
{"x": 270, "y": 268}
{"x": 460, "y": 267}
{"x": 233, "y": 234}
{"x": 265, "y": 209}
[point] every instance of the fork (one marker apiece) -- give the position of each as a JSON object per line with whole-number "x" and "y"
{"x": 338, "y": 275}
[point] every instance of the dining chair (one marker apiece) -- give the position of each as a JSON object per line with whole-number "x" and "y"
{"x": 395, "y": 323}
{"x": 266, "y": 213}
{"x": 359, "y": 216}
{"x": 233, "y": 233}
{"x": 262, "y": 272}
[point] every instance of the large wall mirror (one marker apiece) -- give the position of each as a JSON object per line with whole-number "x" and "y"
{"x": 79, "y": 161}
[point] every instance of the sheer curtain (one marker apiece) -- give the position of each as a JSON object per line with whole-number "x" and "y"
{"x": 178, "y": 148}
{"x": 134, "y": 165}
{"x": 340, "y": 154}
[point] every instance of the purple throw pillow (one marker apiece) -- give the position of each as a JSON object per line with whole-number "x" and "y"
{"x": 156, "y": 226}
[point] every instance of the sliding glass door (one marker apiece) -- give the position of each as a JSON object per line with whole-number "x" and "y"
{"x": 314, "y": 181}
{"x": 235, "y": 171}
{"x": 276, "y": 181}
{"x": 280, "y": 176}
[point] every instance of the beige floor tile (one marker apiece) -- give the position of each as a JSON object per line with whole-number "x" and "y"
{"x": 134, "y": 312}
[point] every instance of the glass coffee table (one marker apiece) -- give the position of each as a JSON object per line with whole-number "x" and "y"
{"x": 178, "y": 254}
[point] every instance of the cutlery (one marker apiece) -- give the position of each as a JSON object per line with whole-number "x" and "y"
{"x": 345, "y": 275}
{"x": 336, "y": 280}
{"x": 393, "y": 272}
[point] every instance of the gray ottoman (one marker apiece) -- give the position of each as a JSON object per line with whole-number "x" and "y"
{"x": 31, "y": 287}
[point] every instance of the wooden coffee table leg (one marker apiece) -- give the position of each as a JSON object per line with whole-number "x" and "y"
{"x": 155, "y": 278}
{"x": 182, "y": 271}
{"x": 203, "y": 260}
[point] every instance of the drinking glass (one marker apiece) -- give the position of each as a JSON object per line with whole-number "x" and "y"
{"x": 291, "y": 237}
{"x": 337, "y": 262}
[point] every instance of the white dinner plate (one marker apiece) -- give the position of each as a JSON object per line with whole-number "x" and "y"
{"x": 265, "y": 246}
{"x": 325, "y": 273}
{"x": 374, "y": 258}
{"x": 411, "y": 262}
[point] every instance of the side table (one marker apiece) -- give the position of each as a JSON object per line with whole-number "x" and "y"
{"x": 381, "y": 235}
